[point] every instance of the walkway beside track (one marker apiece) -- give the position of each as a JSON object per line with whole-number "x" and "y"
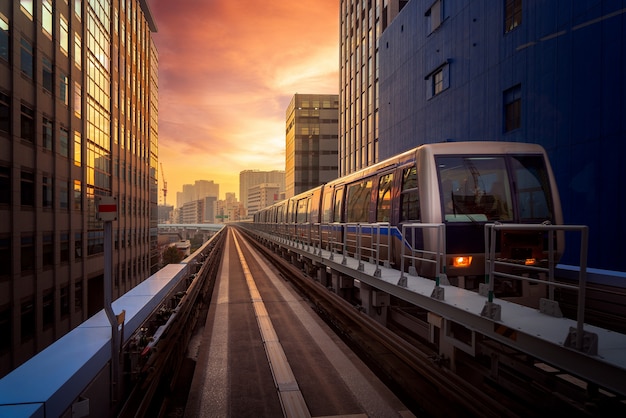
{"x": 266, "y": 353}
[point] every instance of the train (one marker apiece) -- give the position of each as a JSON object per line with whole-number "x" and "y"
{"x": 463, "y": 185}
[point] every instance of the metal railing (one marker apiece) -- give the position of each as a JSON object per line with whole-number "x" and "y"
{"x": 504, "y": 268}
{"x": 410, "y": 253}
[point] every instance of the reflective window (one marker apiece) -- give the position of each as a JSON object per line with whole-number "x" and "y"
{"x": 26, "y": 58}
{"x": 64, "y": 38}
{"x": 27, "y": 7}
{"x": 358, "y": 199}
{"x": 383, "y": 206}
{"x": 409, "y": 197}
{"x": 512, "y": 14}
{"x": 534, "y": 196}
{"x": 4, "y": 37}
{"x": 475, "y": 189}
{"x": 46, "y": 17}
{"x": 46, "y": 72}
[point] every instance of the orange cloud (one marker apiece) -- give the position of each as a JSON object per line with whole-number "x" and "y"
{"x": 227, "y": 71}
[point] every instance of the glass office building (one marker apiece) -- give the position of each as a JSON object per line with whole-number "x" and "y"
{"x": 78, "y": 112}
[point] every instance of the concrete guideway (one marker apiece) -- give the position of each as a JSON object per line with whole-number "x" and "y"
{"x": 311, "y": 370}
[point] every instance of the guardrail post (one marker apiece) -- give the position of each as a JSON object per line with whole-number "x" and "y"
{"x": 402, "y": 281}
{"x": 491, "y": 310}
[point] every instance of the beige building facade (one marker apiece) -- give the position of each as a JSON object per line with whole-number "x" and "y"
{"x": 78, "y": 112}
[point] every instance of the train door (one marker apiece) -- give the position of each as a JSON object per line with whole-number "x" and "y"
{"x": 409, "y": 212}
{"x": 384, "y": 211}
{"x": 336, "y": 236}
{"x": 358, "y": 210}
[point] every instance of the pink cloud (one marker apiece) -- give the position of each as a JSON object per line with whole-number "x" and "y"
{"x": 227, "y": 71}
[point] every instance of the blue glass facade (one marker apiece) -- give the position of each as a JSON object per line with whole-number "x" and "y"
{"x": 548, "y": 72}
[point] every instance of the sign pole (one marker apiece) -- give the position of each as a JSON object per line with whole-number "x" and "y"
{"x": 107, "y": 212}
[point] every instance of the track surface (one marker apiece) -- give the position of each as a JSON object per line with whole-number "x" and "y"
{"x": 233, "y": 376}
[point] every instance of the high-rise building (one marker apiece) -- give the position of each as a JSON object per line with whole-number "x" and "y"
{"x": 78, "y": 111}
{"x": 262, "y": 196}
{"x": 536, "y": 71}
{"x": 362, "y": 22}
{"x": 197, "y": 191}
{"x": 251, "y": 178}
{"x": 311, "y": 141}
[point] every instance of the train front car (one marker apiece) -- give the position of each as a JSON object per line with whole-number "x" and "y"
{"x": 488, "y": 182}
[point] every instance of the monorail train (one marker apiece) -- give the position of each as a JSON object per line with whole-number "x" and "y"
{"x": 463, "y": 185}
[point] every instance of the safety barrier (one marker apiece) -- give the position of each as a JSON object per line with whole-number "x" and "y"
{"x": 504, "y": 268}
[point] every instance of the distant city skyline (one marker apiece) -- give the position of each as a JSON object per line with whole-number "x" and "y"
{"x": 223, "y": 93}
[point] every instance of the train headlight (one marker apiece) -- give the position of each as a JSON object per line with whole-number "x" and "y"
{"x": 462, "y": 261}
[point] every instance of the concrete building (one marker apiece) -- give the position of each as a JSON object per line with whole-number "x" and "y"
{"x": 251, "y": 178}
{"x": 311, "y": 141}
{"x": 165, "y": 213}
{"x": 192, "y": 212}
{"x": 197, "y": 191}
{"x": 361, "y": 24}
{"x": 210, "y": 209}
{"x": 78, "y": 109}
{"x": 262, "y": 196}
{"x": 534, "y": 71}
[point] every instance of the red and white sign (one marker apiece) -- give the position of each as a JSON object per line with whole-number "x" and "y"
{"x": 107, "y": 208}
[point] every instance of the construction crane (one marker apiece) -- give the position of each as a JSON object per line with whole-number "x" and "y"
{"x": 164, "y": 189}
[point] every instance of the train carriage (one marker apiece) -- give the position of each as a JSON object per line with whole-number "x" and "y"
{"x": 463, "y": 185}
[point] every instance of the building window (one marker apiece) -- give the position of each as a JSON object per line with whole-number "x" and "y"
{"x": 27, "y": 252}
{"x": 27, "y": 189}
{"x": 47, "y": 192}
{"x": 65, "y": 247}
{"x": 78, "y": 4}
{"x": 27, "y": 123}
{"x": 64, "y": 301}
{"x": 26, "y": 58}
{"x": 78, "y": 149}
{"x": 5, "y": 185}
{"x": 78, "y": 245}
{"x": 78, "y": 193}
{"x": 48, "y": 250}
{"x": 6, "y": 258}
{"x": 512, "y": 14}
{"x": 27, "y": 319}
{"x": 5, "y": 113}
{"x": 46, "y": 128}
{"x": 64, "y": 39}
{"x": 78, "y": 296}
{"x": 77, "y": 51}
{"x": 46, "y": 72}
{"x": 77, "y": 100}
{"x": 6, "y": 329}
{"x": 64, "y": 194}
{"x": 435, "y": 15}
{"x": 46, "y": 17}
{"x": 64, "y": 142}
{"x": 27, "y": 7}
{"x": 513, "y": 108}
{"x": 438, "y": 81}
{"x": 4, "y": 37}
{"x": 64, "y": 95}
{"x": 48, "y": 308}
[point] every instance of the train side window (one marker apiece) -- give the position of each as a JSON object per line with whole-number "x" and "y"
{"x": 358, "y": 200}
{"x": 302, "y": 210}
{"x": 533, "y": 188}
{"x": 338, "y": 205}
{"x": 409, "y": 197}
{"x": 327, "y": 205}
{"x": 383, "y": 206}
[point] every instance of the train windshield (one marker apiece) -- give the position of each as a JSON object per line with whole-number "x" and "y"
{"x": 480, "y": 189}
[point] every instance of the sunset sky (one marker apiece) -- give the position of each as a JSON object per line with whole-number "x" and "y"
{"x": 227, "y": 71}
